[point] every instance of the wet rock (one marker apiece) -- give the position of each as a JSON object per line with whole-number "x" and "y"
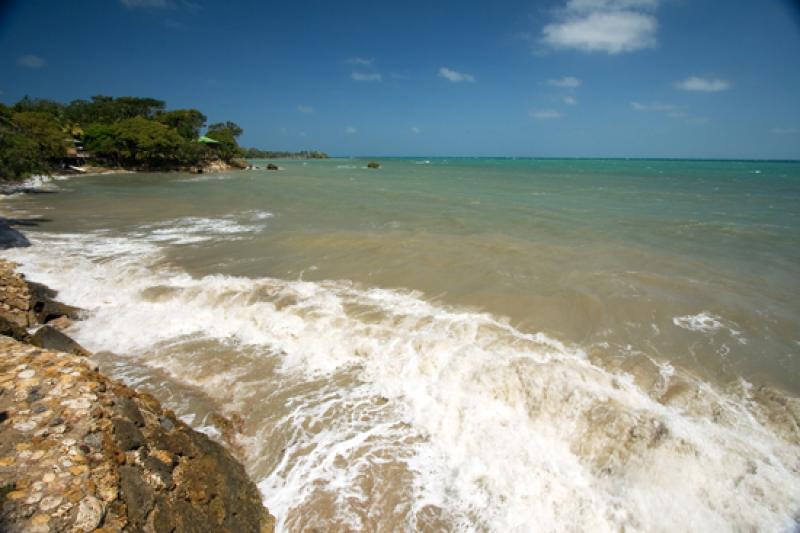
{"x": 137, "y": 495}
{"x": 127, "y": 434}
{"x": 14, "y": 330}
{"x": 61, "y": 323}
{"x": 45, "y": 308}
{"x": 100, "y": 456}
{"x": 50, "y": 338}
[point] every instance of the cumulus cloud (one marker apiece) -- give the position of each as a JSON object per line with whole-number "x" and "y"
{"x": 610, "y": 5}
{"x": 305, "y": 109}
{"x": 351, "y": 130}
{"x": 706, "y": 85}
{"x": 415, "y": 129}
{"x": 610, "y": 26}
{"x": 567, "y": 82}
{"x": 366, "y": 76}
{"x": 545, "y": 114}
{"x": 455, "y": 76}
{"x": 31, "y": 61}
{"x": 359, "y": 61}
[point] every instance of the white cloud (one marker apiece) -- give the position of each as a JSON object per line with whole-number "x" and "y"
{"x": 145, "y": 3}
{"x": 545, "y": 114}
{"x": 612, "y": 32}
{"x": 455, "y": 76}
{"x": 706, "y": 85}
{"x": 364, "y": 76}
{"x": 351, "y": 130}
{"x": 567, "y": 82}
{"x": 609, "y": 5}
{"x": 656, "y": 107}
{"x": 670, "y": 110}
{"x": 31, "y": 61}
{"x": 305, "y": 109}
{"x": 415, "y": 130}
{"x": 784, "y": 131}
{"x": 359, "y": 61}
{"x": 611, "y": 26}
{"x": 570, "y": 100}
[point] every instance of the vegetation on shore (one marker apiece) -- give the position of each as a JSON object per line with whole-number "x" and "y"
{"x": 39, "y": 136}
{"x": 255, "y": 153}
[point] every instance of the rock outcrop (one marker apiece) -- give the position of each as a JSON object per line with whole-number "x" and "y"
{"x": 81, "y": 452}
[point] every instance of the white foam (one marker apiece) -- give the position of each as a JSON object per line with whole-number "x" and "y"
{"x": 708, "y": 323}
{"x": 502, "y": 429}
{"x": 191, "y": 230}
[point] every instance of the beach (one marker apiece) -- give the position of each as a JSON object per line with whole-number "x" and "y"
{"x": 457, "y": 344}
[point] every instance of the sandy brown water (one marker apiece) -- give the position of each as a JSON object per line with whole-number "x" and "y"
{"x": 473, "y": 345}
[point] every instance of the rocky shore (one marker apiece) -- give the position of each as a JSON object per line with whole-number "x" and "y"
{"x": 81, "y": 452}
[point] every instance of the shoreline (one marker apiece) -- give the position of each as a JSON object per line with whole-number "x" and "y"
{"x": 681, "y": 395}
{"x": 80, "y": 451}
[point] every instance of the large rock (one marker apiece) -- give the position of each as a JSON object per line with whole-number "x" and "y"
{"x": 44, "y": 307}
{"x": 79, "y": 451}
{"x": 52, "y": 339}
{"x": 14, "y": 330}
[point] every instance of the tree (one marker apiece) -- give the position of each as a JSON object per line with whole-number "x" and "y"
{"x": 108, "y": 110}
{"x": 225, "y": 133}
{"x": 229, "y": 126}
{"x": 30, "y": 141}
{"x": 146, "y": 141}
{"x": 187, "y": 122}
{"x": 40, "y": 105}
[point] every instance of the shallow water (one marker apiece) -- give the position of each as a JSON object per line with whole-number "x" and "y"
{"x": 491, "y": 345}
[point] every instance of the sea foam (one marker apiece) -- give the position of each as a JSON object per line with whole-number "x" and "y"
{"x": 490, "y": 427}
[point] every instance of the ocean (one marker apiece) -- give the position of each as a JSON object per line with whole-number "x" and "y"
{"x": 458, "y": 344}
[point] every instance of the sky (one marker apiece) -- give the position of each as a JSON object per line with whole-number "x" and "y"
{"x": 564, "y": 78}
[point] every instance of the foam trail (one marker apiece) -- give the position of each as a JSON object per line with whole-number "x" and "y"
{"x": 491, "y": 427}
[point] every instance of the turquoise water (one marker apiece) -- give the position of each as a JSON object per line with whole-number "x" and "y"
{"x": 594, "y": 306}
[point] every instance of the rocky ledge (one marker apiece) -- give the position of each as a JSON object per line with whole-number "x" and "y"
{"x": 81, "y": 452}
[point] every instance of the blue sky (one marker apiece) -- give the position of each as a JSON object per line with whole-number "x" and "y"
{"x": 576, "y": 78}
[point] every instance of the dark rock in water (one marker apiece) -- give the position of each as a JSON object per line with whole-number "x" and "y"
{"x": 44, "y": 307}
{"x": 272, "y": 166}
{"x": 373, "y": 164}
{"x": 10, "y": 237}
{"x": 51, "y": 339}
{"x": 10, "y": 329}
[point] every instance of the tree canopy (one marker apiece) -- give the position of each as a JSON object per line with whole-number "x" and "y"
{"x": 35, "y": 134}
{"x": 38, "y": 135}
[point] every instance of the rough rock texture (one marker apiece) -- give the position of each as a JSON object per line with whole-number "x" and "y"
{"x": 14, "y": 295}
{"x": 79, "y": 452}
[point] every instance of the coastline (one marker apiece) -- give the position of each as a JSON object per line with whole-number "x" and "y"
{"x": 80, "y": 451}
{"x": 631, "y": 430}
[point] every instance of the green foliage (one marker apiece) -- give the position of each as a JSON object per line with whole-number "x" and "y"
{"x": 123, "y": 131}
{"x": 108, "y": 110}
{"x": 40, "y": 105}
{"x": 230, "y": 127}
{"x": 255, "y": 153}
{"x": 227, "y": 148}
{"x": 29, "y": 141}
{"x": 187, "y": 122}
